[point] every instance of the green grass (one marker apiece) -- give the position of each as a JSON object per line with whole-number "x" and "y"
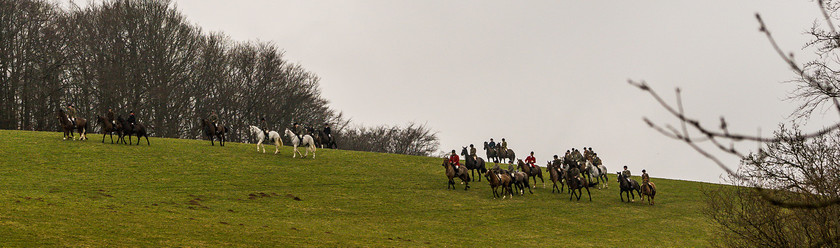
{"x": 186, "y": 193}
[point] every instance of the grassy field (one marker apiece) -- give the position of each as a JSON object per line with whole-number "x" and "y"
{"x": 186, "y": 193}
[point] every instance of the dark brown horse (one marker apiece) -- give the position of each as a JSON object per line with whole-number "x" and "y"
{"x": 450, "y": 173}
{"x": 491, "y": 153}
{"x": 532, "y": 172}
{"x": 555, "y": 175}
{"x": 520, "y": 181}
{"x": 577, "y": 183}
{"x": 108, "y": 128}
{"x": 321, "y": 140}
{"x": 81, "y": 126}
{"x": 628, "y": 185}
{"x": 473, "y": 164}
{"x": 505, "y": 154}
{"x": 500, "y": 178}
{"x": 210, "y": 131}
{"x": 649, "y": 190}
{"x": 139, "y": 130}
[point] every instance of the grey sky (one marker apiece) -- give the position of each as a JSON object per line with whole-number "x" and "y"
{"x": 545, "y": 75}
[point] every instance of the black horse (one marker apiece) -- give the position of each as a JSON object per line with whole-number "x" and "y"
{"x": 628, "y": 185}
{"x": 107, "y": 128}
{"x": 491, "y": 153}
{"x": 322, "y": 139}
{"x": 520, "y": 180}
{"x": 210, "y": 130}
{"x": 577, "y": 183}
{"x": 138, "y": 131}
{"x": 473, "y": 164}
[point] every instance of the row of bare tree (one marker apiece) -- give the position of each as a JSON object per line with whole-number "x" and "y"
{"x": 144, "y": 56}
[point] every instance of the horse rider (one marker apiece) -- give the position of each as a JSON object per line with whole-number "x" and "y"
{"x": 645, "y": 179}
{"x": 264, "y": 127}
{"x": 472, "y": 152}
{"x": 576, "y": 154}
{"x": 504, "y": 145}
{"x": 596, "y": 161}
{"x": 574, "y": 172}
{"x": 567, "y": 160}
{"x": 587, "y": 154}
{"x": 327, "y": 131}
{"x": 71, "y": 114}
{"x": 131, "y": 119}
{"x": 456, "y": 162}
{"x": 557, "y": 162}
{"x": 213, "y": 119}
{"x": 299, "y": 130}
{"x": 110, "y": 116}
{"x": 492, "y": 144}
{"x": 531, "y": 160}
{"x": 626, "y": 174}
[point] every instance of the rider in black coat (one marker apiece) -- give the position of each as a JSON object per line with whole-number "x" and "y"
{"x": 131, "y": 120}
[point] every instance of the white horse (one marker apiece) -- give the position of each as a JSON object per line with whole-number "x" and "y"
{"x": 278, "y": 142}
{"x": 308, "y": 142}
{"x": 594, "y": 173}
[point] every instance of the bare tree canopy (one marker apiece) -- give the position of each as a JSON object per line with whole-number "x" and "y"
{"x": 788, "y": 194}
{"x": 144, "y": 56}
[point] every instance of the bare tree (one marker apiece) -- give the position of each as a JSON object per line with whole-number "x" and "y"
{"x": 788, "y": 188}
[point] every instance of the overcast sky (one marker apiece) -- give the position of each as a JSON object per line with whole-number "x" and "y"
{"x": 545, "y": 75}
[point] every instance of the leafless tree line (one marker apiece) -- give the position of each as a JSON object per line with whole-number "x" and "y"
{"x": 788, "y": 192}
{"x": 144, "y": 56}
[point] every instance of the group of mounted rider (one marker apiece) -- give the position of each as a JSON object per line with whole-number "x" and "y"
{"x": 122, "y": 127}
{"x": 577, "y": 169}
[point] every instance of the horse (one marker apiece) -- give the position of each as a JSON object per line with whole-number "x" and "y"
{"x": 531, "y": 172}
{"x": 576, "y": 183}
{"x": 505, "y": 154}
{"x": 272, "y": 136}
{"x": 321, "y": 139}
{"x": 650, "y": 192}
{"x": 554, "y": 174}
{"x": 599, "y": 172}
{"x": 450, "y": 173}
{"x": 496, "y": 180}
{"x": 491, "y": 153}
{"x": 472, "y": 164}
{"x": 520, "y": 181}
{"x": 307, "y": 142}
{"x": 628, "y": 187}
{"x": 81, "y": 126}
{"x": 138, "y": 131}
{"x": 210, "y": 130}
{"x": 107, "y": 128}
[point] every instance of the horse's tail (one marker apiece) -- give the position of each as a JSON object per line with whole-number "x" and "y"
{"x": 652, "y": 188}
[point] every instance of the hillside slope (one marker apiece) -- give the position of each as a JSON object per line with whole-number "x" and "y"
{"x": 188, "y": 193}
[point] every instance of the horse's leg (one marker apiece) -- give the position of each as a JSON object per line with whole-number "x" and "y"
{"x": 590, "y": 194}
{"x": 103, "y": 138}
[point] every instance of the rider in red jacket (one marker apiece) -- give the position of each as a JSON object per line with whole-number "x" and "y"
{"x": 531, "y": 160}
{"x": 455, "y": 161}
